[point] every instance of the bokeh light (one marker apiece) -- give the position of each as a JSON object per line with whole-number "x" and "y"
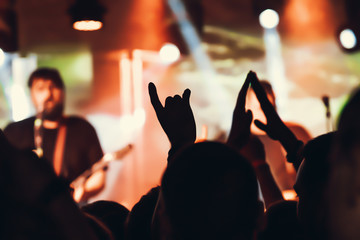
{"x": 169, "y": 53}
{"x": 269, "y": 19}
{"x": 348, "y": 39}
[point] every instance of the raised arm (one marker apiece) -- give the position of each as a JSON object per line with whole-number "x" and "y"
{"x": 251, "y": 147}
{"x": 176, "y": 118}
{"x": 275, "y": 127}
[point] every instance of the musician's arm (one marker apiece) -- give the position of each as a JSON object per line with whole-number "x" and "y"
{"x": 96, "y": 182}
{"x": 93, "y": 185}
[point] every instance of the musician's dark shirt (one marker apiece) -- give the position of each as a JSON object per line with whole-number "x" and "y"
{"x": 82, "y": 146}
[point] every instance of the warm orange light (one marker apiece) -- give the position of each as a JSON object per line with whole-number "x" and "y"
{"x": 308, "y": 19}
{"x": 87, "y": 25}
{"x": 289, "y": 194}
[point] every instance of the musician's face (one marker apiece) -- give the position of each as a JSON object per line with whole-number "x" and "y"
{"x": 47, "y": 98}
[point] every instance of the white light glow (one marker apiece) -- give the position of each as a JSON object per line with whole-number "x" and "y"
{"x": 125, "y": 84}
{"x": 269, "y": 19}
{"x": 209, "y": 79}
{"x": 169, "y": 53}
{"x": 139, "y": 118}
{"x": 137, "y": 81}
{"x": 20, "y": 110}
{"x": 2, "y": 57}
{"x": 348, "y": 39}
{"x": 87, "y": 25}
{"x": 276, "y": 68}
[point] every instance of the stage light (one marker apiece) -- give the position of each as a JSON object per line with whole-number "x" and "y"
{"x": 87, "y": 15}
{"x": 348, "y": 34}
{"x": 87, "y": 25}
{"x": 348, "y": 39}
{"x": 169, "y": 53}
{"x": 269, "y": 19}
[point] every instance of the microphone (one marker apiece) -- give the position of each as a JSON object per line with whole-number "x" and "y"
{"x": 38, "y": 131}
{"x": 325, "y": 100}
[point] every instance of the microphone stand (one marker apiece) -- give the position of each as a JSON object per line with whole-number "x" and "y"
{"x": 329, "y": 122}
{"x": 38, "y": 133}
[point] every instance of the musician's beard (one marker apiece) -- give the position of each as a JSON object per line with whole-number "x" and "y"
{"x": 55, "y": 113}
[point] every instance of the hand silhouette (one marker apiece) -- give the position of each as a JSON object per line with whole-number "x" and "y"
{"x": 275, "y": 128}
{"x": 176, "y": 117}
{"x": 240, "y": 127}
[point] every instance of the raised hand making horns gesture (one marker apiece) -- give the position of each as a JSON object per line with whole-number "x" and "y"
{"x": 176, "y": 117}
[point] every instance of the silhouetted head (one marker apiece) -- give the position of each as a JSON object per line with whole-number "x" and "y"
{"x": 209, "y": 191}
{"x": 343, "y": 189}
{"x": 100, "y": 229}
{"x": 138, "y": 222}
{"x": 349, "y": 124}
{"x": 282, "y": 222}
{"x": 311, "y": 182}
{"x": 111, "y": 214}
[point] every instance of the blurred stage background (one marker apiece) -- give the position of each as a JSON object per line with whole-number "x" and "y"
{"x": 107, "y": 71}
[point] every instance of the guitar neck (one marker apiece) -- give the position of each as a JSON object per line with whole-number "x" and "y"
{"x": 101, "y": 164}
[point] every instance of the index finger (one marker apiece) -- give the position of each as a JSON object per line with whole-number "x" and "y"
{"x": 259, "y": 92}
{"x": 186, "y": 96}
{"x": 242, "y": 94}
{"x": 154, "y": 98}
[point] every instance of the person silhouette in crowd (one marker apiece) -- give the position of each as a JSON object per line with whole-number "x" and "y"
{"x": 69, "y": 143}
{"x": 343, "y": 187}
{"x": 208, "y": 190}
{"x": 138, "y": 222}
{"x": 313, "y": 165}
{"x": 34, "y": 202}
{"x": 310, "y": 186}
{"x": 110, "y": 214}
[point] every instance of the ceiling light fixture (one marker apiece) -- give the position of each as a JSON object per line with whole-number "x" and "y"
{"x": 87, "y": 15}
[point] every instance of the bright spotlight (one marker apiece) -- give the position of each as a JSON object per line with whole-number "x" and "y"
{"x": 348, "y": 38}
{"x": 87, "y": 25}
{"x": 169, "y": 53}
{"x": 87, "y": 15}
{"x": 2, "y": 57}
{"x": 269, "y": 19}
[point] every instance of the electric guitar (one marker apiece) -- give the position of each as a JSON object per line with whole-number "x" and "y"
{"x": 79, "y": 182}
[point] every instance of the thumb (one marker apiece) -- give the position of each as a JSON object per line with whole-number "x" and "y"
{"x": 260, "y": 125}
{"x": 186, "y": 95}
{"x": 249, "y": 115}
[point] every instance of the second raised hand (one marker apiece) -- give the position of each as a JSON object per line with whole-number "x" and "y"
{"x": 240, "y": 128}
{"x": 275, "y": 128}
{"x": 274, "y": 125}
{"x": 176, "y": 117}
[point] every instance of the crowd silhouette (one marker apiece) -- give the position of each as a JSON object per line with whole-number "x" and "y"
{"x": 209, "y": 190}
